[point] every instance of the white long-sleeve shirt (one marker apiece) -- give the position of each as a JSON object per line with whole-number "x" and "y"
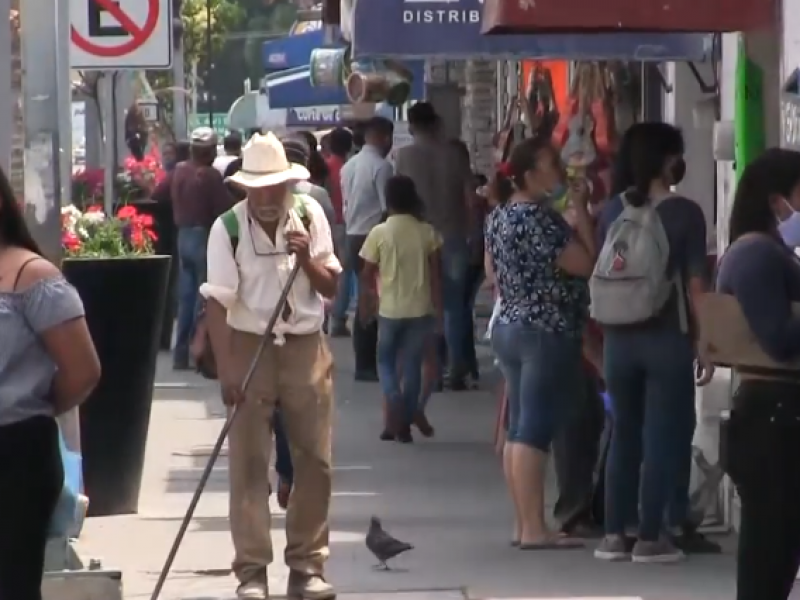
{"x": 249, "y": 284}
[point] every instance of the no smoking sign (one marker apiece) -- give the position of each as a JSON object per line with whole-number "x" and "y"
{"x": 121, "y": 34}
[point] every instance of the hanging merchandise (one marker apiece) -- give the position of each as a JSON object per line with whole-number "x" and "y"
{"x": 327, "y": 66}
{"x": 573, "y": 133}
{"x": 539, "y": 101}
{"x": 512, "y": 131}
{"x": 602, "y": 109}
{"x": 626, "y": 93}
{"x": 379, "y": 81}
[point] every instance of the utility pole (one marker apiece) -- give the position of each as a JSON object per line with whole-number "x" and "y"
{"x": 179, "y": 121}
{"x": 209, "y": 66}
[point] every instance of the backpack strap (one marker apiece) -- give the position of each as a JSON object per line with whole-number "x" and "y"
{"x": 231, "y": 223}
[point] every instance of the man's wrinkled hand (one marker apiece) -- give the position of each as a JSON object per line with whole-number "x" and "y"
{"x": 232, "y": 393}
{"x": 299, "y": 244}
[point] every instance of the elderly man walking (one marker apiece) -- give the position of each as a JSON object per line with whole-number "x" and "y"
{"x": 251, "y": 251}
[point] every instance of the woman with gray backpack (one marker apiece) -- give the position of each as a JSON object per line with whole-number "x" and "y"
{"x": 650, "y": 273}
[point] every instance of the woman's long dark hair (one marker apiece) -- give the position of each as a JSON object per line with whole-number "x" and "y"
{"x": 644, "y": 152}
{"x": 317, "y": 166}
{"x": 775, "y": 173}
{"x": 13, "y": 229}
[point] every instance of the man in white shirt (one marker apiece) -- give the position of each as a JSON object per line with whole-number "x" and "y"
{"x": 251, "y": 251}
{"x": 232, "y": 145}
{"x": 363, "y": 180}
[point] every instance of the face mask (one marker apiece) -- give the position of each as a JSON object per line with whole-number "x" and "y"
{"x": 790, "y": 228}
{"x": 557, "y": 192}
{"x": 678, "y": 171}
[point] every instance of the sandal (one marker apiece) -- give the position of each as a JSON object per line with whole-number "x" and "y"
{"x": 552, "y": 543}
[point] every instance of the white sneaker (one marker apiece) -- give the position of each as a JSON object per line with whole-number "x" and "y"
{"x": 252, "y": 590}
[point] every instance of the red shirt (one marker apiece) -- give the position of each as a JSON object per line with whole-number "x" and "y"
{"x": 335, "y": 164}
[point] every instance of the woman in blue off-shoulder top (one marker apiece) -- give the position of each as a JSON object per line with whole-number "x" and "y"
{"x": 48, "y": 366}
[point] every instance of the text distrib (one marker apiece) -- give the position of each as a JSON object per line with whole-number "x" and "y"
{"x": 441, "y": 16}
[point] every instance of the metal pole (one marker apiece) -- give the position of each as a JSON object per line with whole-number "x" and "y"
{"x": 179, "y": 121}
{"x": 209, "y": 66}
{"x": 194, "y": 92}
{"x": 6, "y": 93}
{"x": 47, "y": 97}
{"x": 109, "y": 141}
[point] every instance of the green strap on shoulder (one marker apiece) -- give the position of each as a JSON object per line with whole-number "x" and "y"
{"x": 231, "y": 223}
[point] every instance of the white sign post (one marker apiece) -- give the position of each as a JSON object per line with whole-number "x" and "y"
{"x": 110, "y": 35}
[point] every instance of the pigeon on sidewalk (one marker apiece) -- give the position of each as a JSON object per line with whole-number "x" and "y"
{"x": 383, "y": 545}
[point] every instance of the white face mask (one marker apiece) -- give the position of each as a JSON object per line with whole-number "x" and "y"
{"x": 789, "y": 228}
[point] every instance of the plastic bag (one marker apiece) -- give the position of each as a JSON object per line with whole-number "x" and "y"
{"x": 492, "y": 319}
{"x": 68, "y": 515}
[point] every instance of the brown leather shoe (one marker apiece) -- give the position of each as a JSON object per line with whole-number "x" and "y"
{"x": 421, "y": 422}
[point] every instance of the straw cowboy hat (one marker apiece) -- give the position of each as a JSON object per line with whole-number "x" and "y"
{"x": 264, "y": 164}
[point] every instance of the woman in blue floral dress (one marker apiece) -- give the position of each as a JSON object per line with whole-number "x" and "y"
{"x": 539, "y": 265}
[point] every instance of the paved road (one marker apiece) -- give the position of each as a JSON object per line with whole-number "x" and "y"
{"x": 445, "y": 496}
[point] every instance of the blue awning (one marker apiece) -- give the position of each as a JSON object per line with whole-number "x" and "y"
{"x": 420, "y": 28}
{"x": 291, "y": 51}
{"x": 292, "y": 88}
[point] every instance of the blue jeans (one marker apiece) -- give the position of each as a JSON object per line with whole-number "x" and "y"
{"x": 455, "y": 271}
{"x": 650, "y": 377}
{"x": 344, "y": 295}
{"x": 542, "y": 371}
{"x": 404, "y": 340}
{"x": 192, "y": 247}
{"x": 283, "y": 457}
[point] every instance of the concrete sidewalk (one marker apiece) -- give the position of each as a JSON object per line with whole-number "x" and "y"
{"x": 445, "y": 496}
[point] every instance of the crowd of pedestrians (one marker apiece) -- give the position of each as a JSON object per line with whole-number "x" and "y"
{"x": 605, "y": 322}
{"x": 598, "y": 328}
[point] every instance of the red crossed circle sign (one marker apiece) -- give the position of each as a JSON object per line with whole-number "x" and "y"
{"x": 139, "y": 34}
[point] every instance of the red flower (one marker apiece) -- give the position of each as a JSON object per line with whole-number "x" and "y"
{"x": 94, "y": 208}
{"x": 127, "y": 212}
{"x": 144, "y": 220}
{"x": 70, "y": 241}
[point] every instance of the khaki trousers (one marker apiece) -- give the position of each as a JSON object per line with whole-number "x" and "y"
{"x": 299, "y": 375}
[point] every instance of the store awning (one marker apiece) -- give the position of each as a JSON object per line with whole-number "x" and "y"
{"x": 416, "y": 29}
{"x": 291, "y": 51}
{"x": 293, "y": 89}
{"x": 592, "y": 16}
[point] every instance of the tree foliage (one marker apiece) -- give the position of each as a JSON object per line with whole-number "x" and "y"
{"x": 226, "y": 16}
